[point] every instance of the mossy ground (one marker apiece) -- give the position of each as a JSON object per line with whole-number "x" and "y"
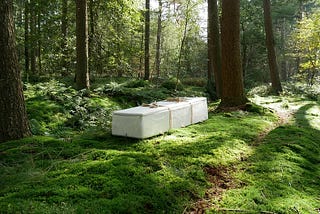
{"x": 282, "y": 173}
{"x": 75, "y": 165}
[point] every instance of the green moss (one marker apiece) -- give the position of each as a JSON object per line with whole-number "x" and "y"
{"x": 84, "y": 169}
{"x": 281, "y": 174}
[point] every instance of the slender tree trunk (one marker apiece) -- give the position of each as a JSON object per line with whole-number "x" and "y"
{"x": 13, "y": 116}
{"x": 158, "y": 44}
{"x": 82, "y": 72}
{"x": 140, "y": 72}
{"x": 232, "y": 79}
{"x": 273, "y": 66}
{"x": 183, "y": 40}
{"x": 214, "y": 50}
{"x": 92, "y": 45}
{"x": 64, "y": 32}
{"x": 39, "y": 40}
{"x": 147, "y": 42}
{"x": 284, "y": 73}
{"x": 33, "y": 39}
{"x": 26, "y": 37}
{"x": 300, "y": 16}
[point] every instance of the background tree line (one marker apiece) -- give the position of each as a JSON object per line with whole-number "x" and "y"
{"x": 46, "y": 36}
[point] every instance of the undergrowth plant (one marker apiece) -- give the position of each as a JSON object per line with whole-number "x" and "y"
{"x": 79, "y": 167}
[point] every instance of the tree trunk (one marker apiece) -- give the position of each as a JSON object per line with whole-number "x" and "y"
{"x": 183, "y": 40}
{"x": 39, "y": 40}
{"x": 273, "y": 66}
{"x": 91, "y": 45}
{"x": 26, "y": 37}
{"x": 284, "y": 73}
{"x": 232, "y": 80}
{"x": 64, "y": 32}
{"x": 140, "y": 72}
{"x": 33, "y": 41}
{"x": 147, "y": 42}
{"x": 244, "y": 52}
{"x": 82, "y": 72}
{"x": 158, "y": 44}
{"x": 13, "y": 116}
{"x": 214, "y": 50}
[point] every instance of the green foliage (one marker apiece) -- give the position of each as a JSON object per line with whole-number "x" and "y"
{"x": 303, "y": 89}
{"x": 261, "y": 90}
{"x": 306, "y": 44}
{"x": 126, "y": 92}
{"x": 172, "y": 84}
{"x": 195, "y": 81}
{"x": 136, "y": 83}
{"x": 55, "y": 109}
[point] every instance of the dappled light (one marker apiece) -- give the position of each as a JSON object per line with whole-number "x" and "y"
{"x": 187, "y": 106}
{"x": 281, "y": 168}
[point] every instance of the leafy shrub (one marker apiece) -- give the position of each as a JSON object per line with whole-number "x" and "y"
{"x": 172, "y": 84}
{"x": 195, "y": 81}
{"x": 36, "y": 127}
{"x": 54, "y": 108}
{"x": 262, "y": 90}
{"x": 136, "y": 83}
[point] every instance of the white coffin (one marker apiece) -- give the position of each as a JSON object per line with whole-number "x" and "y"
{"x": 199, "y": 109}
{"x": 140, "y": 122}
{"x": 179, "y": 113}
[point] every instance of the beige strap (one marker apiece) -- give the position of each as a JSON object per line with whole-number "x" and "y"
{"x": 176, "y": 99}
{"x": 151, "y": 105}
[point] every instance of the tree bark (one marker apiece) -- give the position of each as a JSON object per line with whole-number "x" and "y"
{"x": 232, "y": 79}
{"x": 64, "y": 32}
{"x": 183, "y": 41}
{"x": 13, "y": 116}
{"x": 244, "y": 52}
{"x": 82, "y": 72}
{"x": 26, "y": 37}
{"x": 33, "y": 40}
{"x": 284, "y": 73}
{"x": 214, "y": 50}
{"x": 39, "y": 40}
{"x": 147, "y": 42}
{"x": 273, "y": 66}
{"x": 158, "y": 44}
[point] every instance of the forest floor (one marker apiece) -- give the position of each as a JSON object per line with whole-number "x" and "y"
{"x": 265, "y": 160}
{"x": 297, "y": 116}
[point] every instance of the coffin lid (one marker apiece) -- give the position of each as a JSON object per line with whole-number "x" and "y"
{"x": 140, "y": 111}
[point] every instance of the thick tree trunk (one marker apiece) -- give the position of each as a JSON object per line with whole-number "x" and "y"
{"x": 158, "y": 44}
{"x": 82, "y": 72}
{"x": 232, "y": 80}
{"x": 214, "y": 50}
{"x": 244, "y": 52}
{"x": 147, "y": 42}
{"x": 273, "y": 66}
{"x": 13, "y": 117}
